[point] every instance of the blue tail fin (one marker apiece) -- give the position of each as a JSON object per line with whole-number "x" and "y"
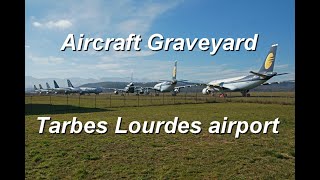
{"x": 55, "y": 84}
{"x": 69, "y": 83}
{"x": 268, "y": 63}
{"x": 48, "y": 87}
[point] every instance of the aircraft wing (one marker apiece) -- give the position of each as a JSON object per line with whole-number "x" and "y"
{"x": 138, "y": 87}
{"x": 281, "y": 74}
{"x": 200, "y": 84}
{"x": 268, "y": 75}
{"x": 147, "y": 87}
{"x": 221, "y": 86}
{"x": 269, "y": 83}
{"x": 258, "y": 74}
{"x": 186, "y": 86}
{"x": 115, "y": 89}
{"x": 277, "y": 82}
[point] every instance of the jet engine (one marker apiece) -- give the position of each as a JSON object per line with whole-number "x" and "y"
{"x": 206, "y": 91}
{"x": 115, "y": 92}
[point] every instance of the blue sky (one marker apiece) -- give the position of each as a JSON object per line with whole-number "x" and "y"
{"x": 47, "y": 24}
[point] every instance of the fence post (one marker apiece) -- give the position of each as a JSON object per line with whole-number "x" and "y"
{"x": 151, "y": 99}
{"x": 31, "y": 104}
{"x": 67, "y": 108}
{"x": 162, "y": 98}
{"x": 196, "y": 97}
{"x": 95, "y": 101}
{"x": 79, "y": 101}
{"x": 106, "y": 100}
{"x": 50, "y": 104}
{"x": 110, "y": 100}
{"x": 174, "y": 100}
{"x": 124, "y": 100}
{"x": 185, "y": 97}
{"x": 138, "y": 100}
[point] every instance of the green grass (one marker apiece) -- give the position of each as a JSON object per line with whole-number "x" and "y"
{"x": 164, "y": 156}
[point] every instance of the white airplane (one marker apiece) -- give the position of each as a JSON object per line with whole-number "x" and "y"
{"x": 48, "y": 87}
{"x": 47, "y": 91}
{"x": 83, "y": 90}
{"x": 168, "y": 85}
{"x": 60, "y": 90}
{"x": 244, "y": 83}
{"x": 36, "y": 90}
{"x": 130, "y": 88}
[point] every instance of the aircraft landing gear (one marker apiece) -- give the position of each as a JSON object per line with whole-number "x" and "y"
{"x": 245, "y": 93}
{"x": 156, "y": 93}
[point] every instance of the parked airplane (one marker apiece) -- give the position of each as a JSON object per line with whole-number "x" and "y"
{"x": 60, "y": 90}
{"x": 83, "y": 90}
{"x": 244, "y": 83}
{"x": 36, "y": 89}
{"x": 168, "y": 85}
{"x": 47, "y": 91}
{"x": 48, "y": 87}
{"x": 130, "y": 88}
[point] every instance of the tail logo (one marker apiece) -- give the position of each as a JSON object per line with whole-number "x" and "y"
{"x": 269, "y": 61}
{"x": 174, "y": 73}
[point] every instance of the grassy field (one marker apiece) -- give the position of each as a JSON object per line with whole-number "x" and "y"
{"x": 162, "y": 156}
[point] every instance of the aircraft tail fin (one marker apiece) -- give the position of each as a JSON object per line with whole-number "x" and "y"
{"x": 174, "y": 72}
{"x": 40, "y": 86}
{"x": 55, "y": 84}
{"x": 48, "y": 87}
{"x": 269, "y": 61}
{"x": 35, "y": 87}
{"x": 69, "y": 83}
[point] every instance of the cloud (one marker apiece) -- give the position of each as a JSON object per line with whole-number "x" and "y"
{"x": 116, "y": 17}
{"x": 281, "y": 66}
{"x": 143, "y": 17}
{"x": 36, "y": 24}
{"x": 59, "y": 24}
{"x": 46, "y": 60}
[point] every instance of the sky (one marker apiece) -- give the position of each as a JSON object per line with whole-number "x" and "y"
{"x": 47, "y": 24}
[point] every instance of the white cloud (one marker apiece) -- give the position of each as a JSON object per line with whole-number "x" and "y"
{"x": 37, "y": 24}
{"x": 59, "y": 24}
{"x": 116, "y": 17}
{"x": 46, "y": 60}
{"x": 281, "y": 66}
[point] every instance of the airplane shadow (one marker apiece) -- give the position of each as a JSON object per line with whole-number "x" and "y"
{"x": 36, "y": 109}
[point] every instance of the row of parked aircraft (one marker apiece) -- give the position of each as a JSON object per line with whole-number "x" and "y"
{"x": 67, "y": 90}
{"x": 236, "y": 84}
{"x": 163, "y": 86}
